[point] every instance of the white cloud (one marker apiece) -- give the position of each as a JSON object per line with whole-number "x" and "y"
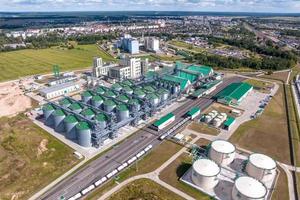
{"x": 177, "y": 5}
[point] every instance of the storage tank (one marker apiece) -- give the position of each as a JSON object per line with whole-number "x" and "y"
{"x": 86, "y": 96}
{"x": 65, "y": 103}
{"x": 122, "y": 112}
{"x": 248, "y": 188}
{"x": 260, "y": 166}
{"x": 123, "y": 98}
{"x": 139, "y": 93}
{"x": 88, "y": 113}
{"x": 110, "y": 94}
{"x": 58, "y": 117}
{"x": 154, "y": 100}
{"x": 217, "y": 122}
{"x": 70, "y": 126}
{"x": 205, "y": 173}
{"x": 222, "y": 152}
{"x": 109, "y": 105}
{"x": 127, "y": 90}
{"x": 97, "y": 101}
{"x": 207, "y": 119}
{"x": 48, "y": 109}
{"x": 175, "y": 89}
{"x": 84, "y": 136}
{"x": 102, "y": 120}
{"x": 134, "y": 105}
{"x": 75, "y": 107}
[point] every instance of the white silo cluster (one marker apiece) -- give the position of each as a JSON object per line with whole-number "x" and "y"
{"x": 222, "y": 152}
{"x": 205, "y": 173}
{"x": 210, "y": 116}
{"x": 215, "y": 118}
{"x": 261, "y": 167}
{"x": 248, "y": 188}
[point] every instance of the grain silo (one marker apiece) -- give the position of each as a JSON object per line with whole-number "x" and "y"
{"x": 116, "y": 87}
{"x": 139, "y": 93}
{"x": 109, "y": 105}
{"x": 205, "y": 173}
{"x": 154, "y": 100}
{"x": 70, "y": 126}
{"x": 86, "y": 96}
{"x": 75, "y": 107}
{"x": 134, "y": 105}
{"x": 164, "y": 94}
{"x": 260, "y": 166}
{"x": 102, "y": 120}
{"x": 222, "y": 152}
{"x": 128, "y": 90}
{"x": 122, "y": 112}
{"x": 248, "y": 188}
{"x": 110, "y": 94}
{"x": 48, "y": 109}
{"x": 88, "y": 113}
{"x": 58, "y": 117}
{"x": 83, "y": 132}
{"x": 100, "y": 90}
{"x": 97, "y": 101}
{"x": 123, "y": 98}
{"x": 65, "y": 103}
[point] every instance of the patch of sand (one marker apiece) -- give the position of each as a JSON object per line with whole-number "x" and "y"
{"x": 12, "y": 99}
{"x": 42, "y": 147}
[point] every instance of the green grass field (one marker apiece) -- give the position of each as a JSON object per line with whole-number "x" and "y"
{"x": 30, "y": 158}
{"x": 20, "y": 63}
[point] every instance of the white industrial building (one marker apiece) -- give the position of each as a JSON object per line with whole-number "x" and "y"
{"x": 59, "y": 90}
{"x": 222, "y": 152}
{"x": 101, "y": 69}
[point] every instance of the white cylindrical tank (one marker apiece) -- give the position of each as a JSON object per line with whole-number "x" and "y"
{"x": 248, "y": 188}
{"x": 207, "y": 118}
{"x": 217, "y": 122}
{"x": 222, "y": 152}
{"x": 260, "y": 166}
{"x": 205, "y": 173}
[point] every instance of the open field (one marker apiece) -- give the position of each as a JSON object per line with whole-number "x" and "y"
{"x": 15, "y": 64}
{"x": 282, "y": 76}
{"x": 175, "y": 170}
{"x": 30, "y": 158}
{"x": 148, "y": 164}
{"x": 144, "y": 189}
{"x": 188, "y": 47}
{"x": 268, "y": 133}
{"x": 261, "y": 86}
{"x": 281, "y": 190}
{"x": 203, "y": 128}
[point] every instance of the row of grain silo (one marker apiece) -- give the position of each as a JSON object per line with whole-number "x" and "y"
{"x": 259, "y": 169}
{"x": 68, "y": 124}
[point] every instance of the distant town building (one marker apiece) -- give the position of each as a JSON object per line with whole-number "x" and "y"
{"x": 151, "y": 44}
{"x": 128, "y": 44}
{"x": 59, "y": 90}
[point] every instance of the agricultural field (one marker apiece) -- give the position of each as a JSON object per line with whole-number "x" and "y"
{"x": 30, "y": 158}
{"x": 144, "y": 189}
{"x": 261, "y": 86}
{"x": 263, "y": 135}
{"x": 20, "y": 63}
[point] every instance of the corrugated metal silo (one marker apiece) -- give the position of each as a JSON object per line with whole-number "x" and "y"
{"x": 122, "y": 112}
{"x": 48, "y": 109}
{"x": 84, "y": 135}
{"x": 58, "y": 117}
{"x": 70, "y": 126}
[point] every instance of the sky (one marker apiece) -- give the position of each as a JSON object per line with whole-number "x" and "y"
{"x": 277, "y": 6}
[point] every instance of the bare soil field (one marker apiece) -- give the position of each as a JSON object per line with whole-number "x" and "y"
{"x": 12, "y": 99}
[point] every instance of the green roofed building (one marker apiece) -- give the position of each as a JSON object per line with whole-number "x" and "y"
{"x": 184, "y": 83}
{"x": 229, "y": 122}
{"x": 234, "y": 93}
{"x": 164, "y": 121}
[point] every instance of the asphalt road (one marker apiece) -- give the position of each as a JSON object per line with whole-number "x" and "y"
{"x": 119, "y": 154}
